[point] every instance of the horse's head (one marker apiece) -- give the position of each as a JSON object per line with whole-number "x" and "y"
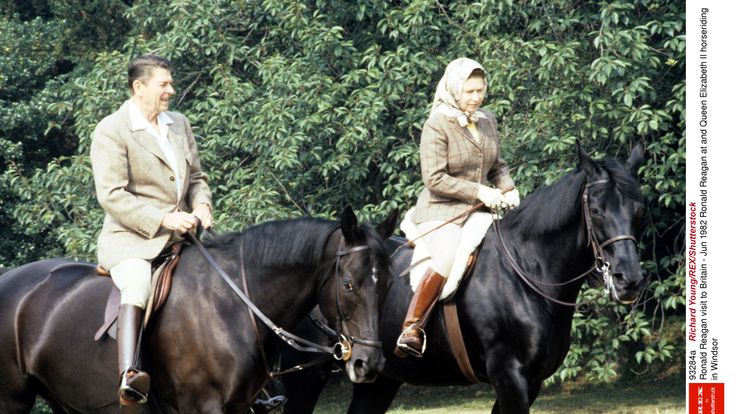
{"x": 612, "y": 207}
{"x": 352, "y": 297}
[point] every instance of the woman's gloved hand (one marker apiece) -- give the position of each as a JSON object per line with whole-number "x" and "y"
{"x": 511, "y": 198}
{"x": 491, "y": 197}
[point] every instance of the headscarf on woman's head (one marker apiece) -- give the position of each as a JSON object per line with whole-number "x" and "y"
{"x": 450, "y": 89}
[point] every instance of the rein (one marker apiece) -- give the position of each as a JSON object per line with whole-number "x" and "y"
{"x": 342, "y": 350}
{"x": 600, "y": 263}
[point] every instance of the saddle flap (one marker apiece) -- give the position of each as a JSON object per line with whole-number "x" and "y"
{"x": 164, "y": 266}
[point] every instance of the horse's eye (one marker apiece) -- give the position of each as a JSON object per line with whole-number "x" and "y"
{"x": 347, "y": 285}
{"x": 596, "y": 212}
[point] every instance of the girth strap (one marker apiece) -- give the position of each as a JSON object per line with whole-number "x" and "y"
{"x": 457, "y": 344}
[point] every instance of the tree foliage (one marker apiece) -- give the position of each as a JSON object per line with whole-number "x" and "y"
{"x": 302, "y": 107}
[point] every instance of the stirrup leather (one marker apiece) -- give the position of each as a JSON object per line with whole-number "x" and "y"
{"x": 406, "y": 348}
{"x": 127, "y": 391}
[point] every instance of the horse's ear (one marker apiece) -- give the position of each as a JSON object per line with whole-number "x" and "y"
{"x": 635, "y": 159}
{"x": 586, "y": 163}
{"x": 386, "y": 227}
{"x": 349, "y": 224}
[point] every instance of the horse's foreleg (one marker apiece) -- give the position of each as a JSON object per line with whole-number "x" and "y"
{"x": 17, "y": 395}
{"x": 533, "y": 393}
{"x": 374, "y": 397}
{"x": 302, "y": 389}
{"x": 534, "y": 388}
{"x": 512, "y": 389}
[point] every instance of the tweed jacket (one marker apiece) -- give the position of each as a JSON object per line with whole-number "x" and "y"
{"x": 454, "y": 164}
{"x": 136, "y": 186}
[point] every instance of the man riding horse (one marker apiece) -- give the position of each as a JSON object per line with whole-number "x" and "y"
{"x": 149, "y": 181}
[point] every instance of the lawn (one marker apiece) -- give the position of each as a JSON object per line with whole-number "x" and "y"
{"x": 665, "y": 396}
{"x": 655, "y": 396}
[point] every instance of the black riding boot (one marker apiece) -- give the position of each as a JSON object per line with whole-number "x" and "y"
{"x": 134, "y": 384}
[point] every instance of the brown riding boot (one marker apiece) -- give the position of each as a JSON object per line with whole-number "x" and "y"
{"x": 412, "y": 338}
{"x": 134, "y": 384}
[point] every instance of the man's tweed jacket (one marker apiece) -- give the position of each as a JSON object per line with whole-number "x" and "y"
{"x": 136, "y": 186}
{"x": 454, "y": 164}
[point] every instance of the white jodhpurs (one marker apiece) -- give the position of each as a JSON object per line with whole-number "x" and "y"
{"x": 133, "y": 278}
{"x": 442, "y": 244}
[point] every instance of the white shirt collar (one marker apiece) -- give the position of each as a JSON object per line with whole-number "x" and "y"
{"x": 138, "y": 121}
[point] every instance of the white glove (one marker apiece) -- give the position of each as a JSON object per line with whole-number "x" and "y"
{"x": 491, "y": 197}
{"x": 511, "y": 198}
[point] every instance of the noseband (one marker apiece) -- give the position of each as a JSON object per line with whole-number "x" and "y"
{"x": 600, "y": 264}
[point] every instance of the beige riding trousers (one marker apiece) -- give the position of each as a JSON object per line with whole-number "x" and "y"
{"x": 133, "y": 278}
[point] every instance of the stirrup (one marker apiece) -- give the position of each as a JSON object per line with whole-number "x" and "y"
{"x": 271, "y": 403}
{"x": 126, "y": 391}
{"x": 405, "y": 348}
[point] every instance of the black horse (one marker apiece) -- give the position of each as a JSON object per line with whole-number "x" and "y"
{"x": 201, "y": 349}
{"x": 517, "y": 332}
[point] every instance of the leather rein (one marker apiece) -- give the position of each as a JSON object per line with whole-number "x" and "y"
{"x": 600, "y": 264}
{"x": 341, "y": 350}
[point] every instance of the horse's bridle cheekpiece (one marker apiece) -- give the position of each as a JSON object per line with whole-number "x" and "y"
{"x": 600, "y": 264}
{"x": 343, "y": 349}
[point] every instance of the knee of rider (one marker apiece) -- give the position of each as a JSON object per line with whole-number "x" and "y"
{"x": 135, "y": 294}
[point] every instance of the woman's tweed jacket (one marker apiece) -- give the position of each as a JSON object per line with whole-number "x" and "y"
{"x": 454, "y": 164}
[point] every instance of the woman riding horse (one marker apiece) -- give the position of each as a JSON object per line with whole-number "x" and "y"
{"x": 515, "y": 309}
{"x": 460, "y": 153}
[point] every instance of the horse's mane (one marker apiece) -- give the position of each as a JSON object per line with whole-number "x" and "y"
{"x": 293, "y": 242}
{"x": 553, "y": 207}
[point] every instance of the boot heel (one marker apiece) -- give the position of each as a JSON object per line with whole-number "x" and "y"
{"x": 400, "y": 352}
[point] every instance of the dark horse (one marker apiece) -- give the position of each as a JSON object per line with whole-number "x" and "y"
{"x": 201, "y": 349}
{"x": 516, "y": 335}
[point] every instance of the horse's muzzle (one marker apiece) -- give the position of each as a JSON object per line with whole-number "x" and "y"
{"x": 626, "y": 289}
{"x": 365, "y": 364}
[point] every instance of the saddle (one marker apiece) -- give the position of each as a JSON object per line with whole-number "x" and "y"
{"x": 163, "y": 265}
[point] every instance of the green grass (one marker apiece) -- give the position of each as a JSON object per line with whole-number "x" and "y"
{"x": 666, "y": 396}
{"x": 654, "y": 396}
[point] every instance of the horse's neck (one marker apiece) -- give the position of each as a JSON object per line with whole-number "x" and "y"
{"x": 289, "y": 293}
{"x": 560, "y": 256}
{"x": 284, "y": 295}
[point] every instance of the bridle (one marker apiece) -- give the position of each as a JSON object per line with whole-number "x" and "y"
{"x": 600, "y": 264}
{"x": 342, "y": 350}
{"x": 344, "y": 346}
